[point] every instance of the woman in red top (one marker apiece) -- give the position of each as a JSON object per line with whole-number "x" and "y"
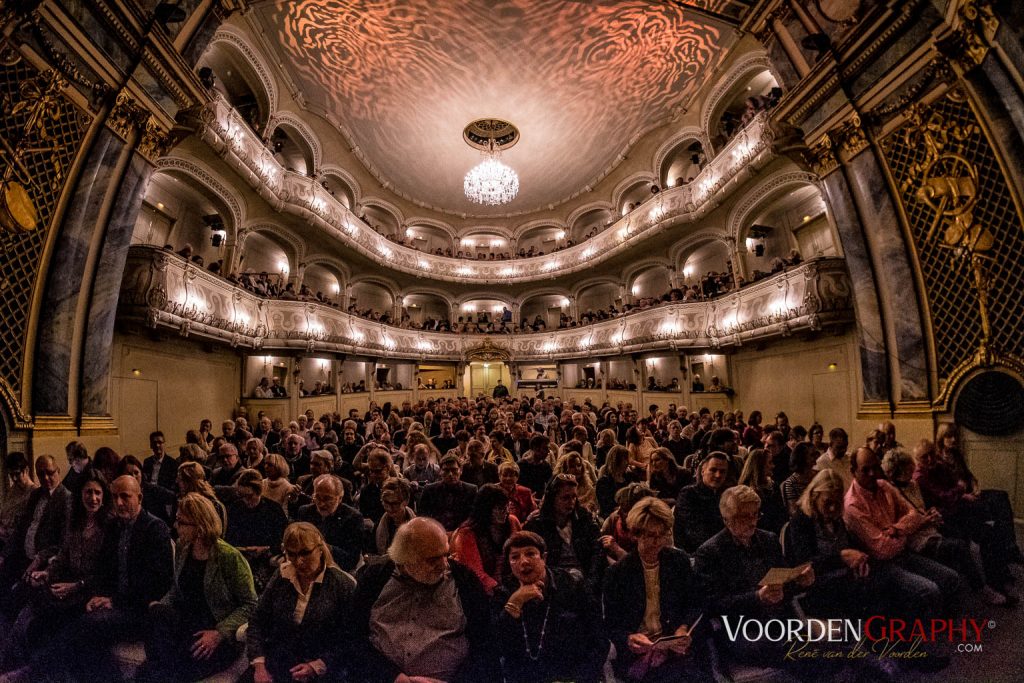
{"x": 478, "y": 542}
{"x": 520, "y": 498}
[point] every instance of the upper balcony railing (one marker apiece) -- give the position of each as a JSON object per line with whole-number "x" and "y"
{"x": 161, "y": 289}
{"x": 224, "y": 130}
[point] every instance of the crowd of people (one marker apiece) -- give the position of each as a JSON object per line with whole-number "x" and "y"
{"x": 506, "y": 539}
{"x": 707, "y": 286}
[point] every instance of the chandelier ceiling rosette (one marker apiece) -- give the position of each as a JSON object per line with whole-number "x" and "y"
{"x": 491, "y": 182}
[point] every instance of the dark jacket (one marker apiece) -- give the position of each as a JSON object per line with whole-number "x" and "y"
{"x": 168, "y": 477}
{"x": 731, "y": 573}
{"x": 574, "y": 646}
{"x": 262, "y": 525}
{"x": 697, "y": 515}
{"x": 802, "y": 545}
{"x": 585, "y": 534}
{"x": 323, "y": 634}
{"x": 450, "y": 505}
{"x": 49, "y": 534}
{"x": 681, "y": 598}
{"x": 371, "y": 665}
{"x": 342, "y": 530}
{"x": 150, "y": 565}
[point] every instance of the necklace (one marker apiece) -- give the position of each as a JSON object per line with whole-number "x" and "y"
{"x": 540, "y": 641}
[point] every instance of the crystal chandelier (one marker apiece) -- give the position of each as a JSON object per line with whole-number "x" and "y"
{"x": 490, "y": 181}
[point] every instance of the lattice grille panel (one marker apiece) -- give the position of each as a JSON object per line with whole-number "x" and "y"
{"x": 948, "y": 278}
{"x": 43, "y": 173}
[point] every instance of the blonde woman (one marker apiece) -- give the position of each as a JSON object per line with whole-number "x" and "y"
{"x": 276, "y": 486}
{"x": 191, "y": 478}
{"x": 756, "y": 474}
{"x": 572, "y": 463}
{"x": 192, "y": 629}
{"x": 301, "y": 616}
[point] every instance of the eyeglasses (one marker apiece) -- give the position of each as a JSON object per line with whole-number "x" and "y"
{"x": 293, "y": 555}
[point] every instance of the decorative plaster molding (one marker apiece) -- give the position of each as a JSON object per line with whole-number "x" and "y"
{"x": 229, "y": 36}
{"x": 223, "y": 130}
{"x": 289, "y": 119}
{"x": 737, "y": 71}
{"x": 160, "y": 289}
{"x": 772, "y": 185}
{"x": 211, "y": 182}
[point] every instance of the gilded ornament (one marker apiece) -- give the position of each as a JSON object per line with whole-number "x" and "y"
{"x": 39, "y": 102}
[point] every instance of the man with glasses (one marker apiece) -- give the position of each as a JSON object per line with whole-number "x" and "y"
{"x": 420, "y": 614}
{"x": 40, "y": 530}
{"x": 747, "y": 553}
{"x": 449, "y": 501}
{"x": 379, "y": 468}
{"x": 340, "y": 524}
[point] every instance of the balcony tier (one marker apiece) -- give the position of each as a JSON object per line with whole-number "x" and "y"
{"x": 220, "y": 126}
{"x": 162, "y": 290}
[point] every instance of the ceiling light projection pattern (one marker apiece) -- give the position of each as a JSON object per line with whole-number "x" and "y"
{"x": 580, "y": 79}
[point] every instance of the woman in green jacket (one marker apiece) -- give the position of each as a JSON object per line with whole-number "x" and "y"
{"x": 192, "y": 629}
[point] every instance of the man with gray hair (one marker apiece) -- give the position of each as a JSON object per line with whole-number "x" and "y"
{"x": 748, "y": 553}
{"x": 340, "y": 524}
{"x": 417, "y": 613}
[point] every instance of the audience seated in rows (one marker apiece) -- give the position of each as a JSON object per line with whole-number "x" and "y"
{"x": 367, "y": 591}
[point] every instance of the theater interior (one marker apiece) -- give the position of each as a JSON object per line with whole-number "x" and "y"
{"x": 809, "y": 207}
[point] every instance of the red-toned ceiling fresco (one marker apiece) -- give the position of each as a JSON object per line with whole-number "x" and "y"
{"x": 579, "y": 79}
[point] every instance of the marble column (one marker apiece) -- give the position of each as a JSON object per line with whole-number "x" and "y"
{"x": 874, "y": 368}
{"x": 52, "y": 371}
{"x": 894, "y": 277}
{"x": 99, "y": 339}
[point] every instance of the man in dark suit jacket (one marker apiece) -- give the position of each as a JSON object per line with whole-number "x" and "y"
{"x": 696, "y": 513}
{"x": 136, "y": 568}
{"x": 40, "y": 528}
{"x": 449, "y": 501}
{"x": 340, "y": 524}
{"x": 160, "y": 468}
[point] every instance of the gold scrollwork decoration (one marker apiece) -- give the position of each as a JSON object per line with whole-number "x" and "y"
{"x": 946, "y": 181}
{"x": 126, "y": 116}
{"x": 851, "y": 137}
{"x": 39, "y": 101}
{"x": 821, "y": 156}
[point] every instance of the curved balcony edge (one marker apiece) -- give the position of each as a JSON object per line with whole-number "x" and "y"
{"x": 224, "y": 131}
{"x": 162, "y": 290}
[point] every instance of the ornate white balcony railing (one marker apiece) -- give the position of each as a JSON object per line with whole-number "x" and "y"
{"x": 221, "y": 127}
{"x": 162, "y": 290}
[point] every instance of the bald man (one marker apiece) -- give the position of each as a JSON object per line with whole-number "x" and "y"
{"x": 418, "y": 613}
{"x": 135, "y": 570}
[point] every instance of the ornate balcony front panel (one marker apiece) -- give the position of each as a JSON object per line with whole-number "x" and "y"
{"x": 220, "y": 126}
{"x": 162, "y": 290}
